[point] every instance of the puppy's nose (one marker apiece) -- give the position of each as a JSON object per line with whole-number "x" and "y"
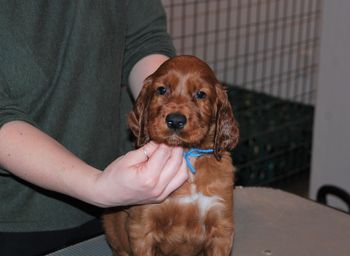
{"x": 175, "y": 121}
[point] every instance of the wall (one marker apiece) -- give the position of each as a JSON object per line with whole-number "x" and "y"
{"x": 331, "y": 146}
{"x": 262, "y": 45}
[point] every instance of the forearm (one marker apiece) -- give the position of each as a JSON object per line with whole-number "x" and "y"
{"x": 142, "y": 69}
{"x": 37, "y": 158}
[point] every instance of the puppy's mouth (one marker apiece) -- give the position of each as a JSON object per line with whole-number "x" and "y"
{"x": 171, "y": 137}
{"x": 175, "y": 140}
{"x": 181, "y": 139}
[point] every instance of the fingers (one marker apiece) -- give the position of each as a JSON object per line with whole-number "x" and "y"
{"x": 159, "y": 170}
{"x": 132, "y": 179}
{"x": 172, "y": 167}
{"x": 159, "y": 159}
{"x": 180, "y": 177}
{"x": 142, "y": 154}
{"x": 166, "y": 171}
{"x": 150, "y": 172}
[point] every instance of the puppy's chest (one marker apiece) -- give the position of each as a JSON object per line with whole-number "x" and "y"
{"x": 199, "y": 202}
{"x": 198, "y": 191}
{"x": 193, "y": 209}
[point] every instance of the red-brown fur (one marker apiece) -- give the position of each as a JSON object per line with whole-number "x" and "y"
{"x": 170, "y": 228}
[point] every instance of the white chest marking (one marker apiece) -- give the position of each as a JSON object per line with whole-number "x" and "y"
{"x": 205, "y": 203}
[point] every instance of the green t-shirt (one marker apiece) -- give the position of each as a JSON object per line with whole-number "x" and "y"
{"x": 62, "y": 64}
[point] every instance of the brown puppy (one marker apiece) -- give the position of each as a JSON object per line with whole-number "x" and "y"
{"x": 183, "y": 104}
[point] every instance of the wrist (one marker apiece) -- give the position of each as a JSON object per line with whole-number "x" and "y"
{"x": 97, "y": 191}
{"x": 88, "y": 189}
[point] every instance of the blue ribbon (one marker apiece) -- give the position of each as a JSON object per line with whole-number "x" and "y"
{"x": 195, "y": 152}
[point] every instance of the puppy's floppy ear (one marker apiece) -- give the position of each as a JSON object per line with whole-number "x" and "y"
{"x": 137, "y": 118}
{"x": 226, "y": 131}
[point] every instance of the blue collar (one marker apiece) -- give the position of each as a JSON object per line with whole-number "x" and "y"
{"x": 195, "y": 152}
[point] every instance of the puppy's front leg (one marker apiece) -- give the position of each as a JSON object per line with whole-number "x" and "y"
{"x": 220, "y": 246}
{"x": 115, "y": 229}
{"x": 220, "y": 232}
{"x": 142, "y": 247}
{"x": 142, "y": 241}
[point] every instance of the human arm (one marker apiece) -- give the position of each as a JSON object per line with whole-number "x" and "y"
{"x": 37, "y": 158}
{"x": 142, "y": 69}
{"x": 147, "y": 43}
{"x": 32, "y": 155}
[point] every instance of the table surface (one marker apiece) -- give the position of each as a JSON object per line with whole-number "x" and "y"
{"x": 268, "y": 222}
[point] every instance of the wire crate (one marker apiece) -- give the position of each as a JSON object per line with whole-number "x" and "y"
{"x": 266, "y": 53}
{"x": 275, "y": 140}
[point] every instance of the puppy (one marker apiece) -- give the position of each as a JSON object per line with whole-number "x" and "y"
{"x": 183, "y": 104}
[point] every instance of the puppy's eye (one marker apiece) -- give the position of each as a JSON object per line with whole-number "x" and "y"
{"x": 162, "y": 90}
{"x": 201, "y": 95}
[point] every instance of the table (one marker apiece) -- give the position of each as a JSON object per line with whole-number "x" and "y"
{"x": 268, "y": 222}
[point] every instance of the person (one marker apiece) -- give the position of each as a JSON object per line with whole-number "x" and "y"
{"x": 63, "y": 108}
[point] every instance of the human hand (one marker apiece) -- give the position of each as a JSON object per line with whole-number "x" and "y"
{"x": 136, "y": 178}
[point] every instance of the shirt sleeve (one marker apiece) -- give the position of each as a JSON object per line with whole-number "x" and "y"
{"x": 10, "y": 110}
{"x": 146, "y": 33}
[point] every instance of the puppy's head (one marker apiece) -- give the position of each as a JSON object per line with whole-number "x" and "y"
{"x": 183, "y": 104}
